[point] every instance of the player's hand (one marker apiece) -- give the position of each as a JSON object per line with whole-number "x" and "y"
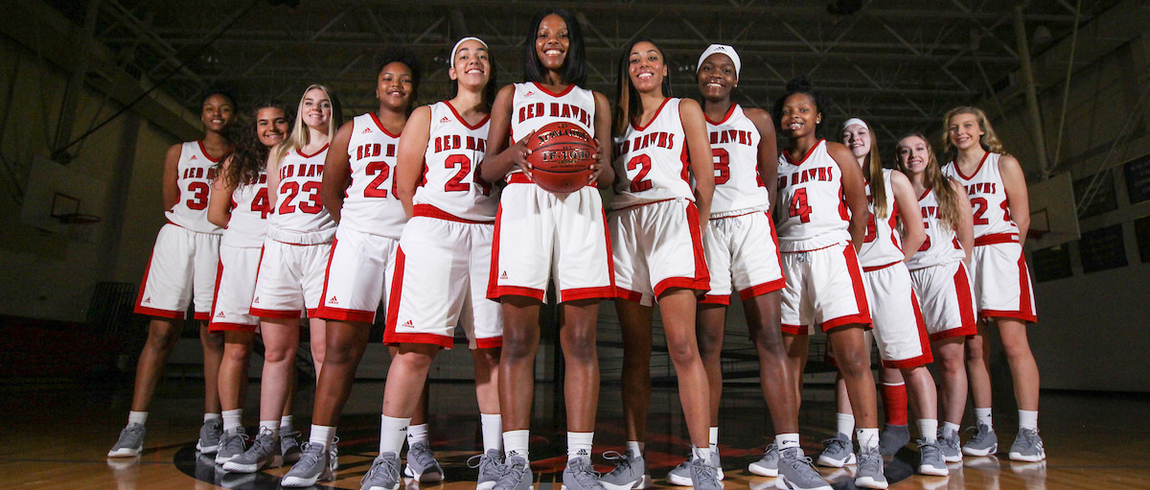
{"x": 519, "y": 154}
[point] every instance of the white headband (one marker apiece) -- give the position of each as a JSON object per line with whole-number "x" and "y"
{"x": 854, "y": 120}
{"x": 451, "y": 61}
{"x": 721, "y": 48}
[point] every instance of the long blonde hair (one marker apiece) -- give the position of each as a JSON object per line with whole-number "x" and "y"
{"x": 947, "y": 197}
{"x": 989, "y": 140}
{"x": 873, "y": 170}
{"x": 300, "y": 136}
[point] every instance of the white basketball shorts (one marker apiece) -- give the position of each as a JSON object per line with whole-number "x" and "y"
{"x": 742, "y": 255}
{"x": 899, "y": 330}
{"x": 235, "y": 286}
{"x": 656, "y": 247}
{"x": 824, "y": 288}
{"x": 356, "y": 275}
{"x": 182, "y": 271}
{"x": 290, "y": 280}
{"x": 1002, "y": 285}
{"x": 947, "y": 300}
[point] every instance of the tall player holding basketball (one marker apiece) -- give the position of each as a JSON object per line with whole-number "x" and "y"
{"x": 440, "y": 275}
{"x": 291, "y": 271}
{"x": 182, "y": 270}
{"x": 537, "y": 232}
{"x": 819, "y": 182}
{"x": 996, "y": 187}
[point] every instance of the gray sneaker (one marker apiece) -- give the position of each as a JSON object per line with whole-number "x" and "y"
{"x": 768, "y": 465}
{"x": 892, "y": 438}
{"x": 312, "y": 466}
{"x": 870, "y": 473}
{"x": 930, "y": 459}
{"x": 1027, "y": 446}
{"x": 949, "y": 443}
{"x": 264, "y": 453}
{"x": 796, "y": 471}
{"x": 984, "y": 442}
{"x": 130, "y": 443}
{"x": 837, "y": 451}
{"x": 489, "y": 468}
{"x": 210, "y": 435}
{"x": 384, "y": 473}
{"x": 681, "y": 475}
{"x": 705, "y": 475}
{"x": 421, "y": 464}
{"x": 232, "y": 445}
{"x": 630, "y": 472}
{"x": 333, "y": 454}
{"x": 516, "y": 475}
{"x": 289, "y": 446}
{"x": 579, "y": 475}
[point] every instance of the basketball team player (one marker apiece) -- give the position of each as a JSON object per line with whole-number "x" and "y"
{"x": 742, "y": 256}
{"x": 894, "y": 233}
{"x": 441, "y": 271}
{"x": 239, "y": 204}
{"x": 182, "y": 271}
{"x": 291, "y": 270}
{"x": 823, "y": 218}
{"x": 996, "y": 187}
{"x": 540, "y": 236}
{"x": 939, "y": 272}
{"x": 657, "y": 224}
{"x": 358, "y": 191}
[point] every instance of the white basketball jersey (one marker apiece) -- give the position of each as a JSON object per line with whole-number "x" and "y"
{"x": 299, "y": 216}
{"x": 941, "y": 245}
{"x": 987, "y": 197}
{"x": 454, "y": 150}
{"x": 249, "y": 224}
{"x": 735, "y": 149}
{"x": 533, "y": 107}
{"x": 882, "y": 244}
{"x": 812, "y": 212}
{"x": 651, "y": 162}
{"x": 370, "y": 204}
{"x": 195, "y": 172}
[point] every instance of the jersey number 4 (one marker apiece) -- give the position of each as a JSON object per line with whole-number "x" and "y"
{"x": 799, "y": 206}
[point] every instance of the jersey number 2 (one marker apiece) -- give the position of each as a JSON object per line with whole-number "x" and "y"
{"x": 640, "y": 182}
{"x": 381, "y": 172}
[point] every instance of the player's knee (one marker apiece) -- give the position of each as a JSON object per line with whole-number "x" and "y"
{"x": 163, "y": 338}
{"x": 852, "y": 363}
{"x": 710, "y": 343}
{"x": 682, "y": 352}
{"x": 237, "y": 354}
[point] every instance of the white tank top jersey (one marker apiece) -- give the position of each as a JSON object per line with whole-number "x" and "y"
{"x": 987, "y": 197}
{"x": 454, "y": 150}
{"x": 370, "y": 204}
{"x": 249, "y": 222}
{"x": 812, "y": 211}
{"x": 735, "y": 149}
{"x": 194, "y": 173}
{"x": 533, "y": 106}
{"x": 882, "y": 244}
{"x": 299, "y": 216}
{"x": 651, "y": 161}
{"x": 941, "y": 245}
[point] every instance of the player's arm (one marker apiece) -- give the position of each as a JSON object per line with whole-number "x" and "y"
{"x": 171, "y": 177}
{"x": 913, "y": 231}
{"x": 965, "y": 226}
{"x": 409, "y": 160}
{"x": 336, "y": 171}
{"x": 501, "y": 157}
{"x": 768, "y": 165}
{"x": 220, "y": 201}
{"x": 701, "y": 158}
{"x": 273, "y": 172}
{"x": 1017, "y": 198}
{"x": 603, "y": 174}
{"x": 854, "y": 191}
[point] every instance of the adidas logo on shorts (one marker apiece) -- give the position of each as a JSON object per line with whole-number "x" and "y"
{"x": 257, "y": 300}
{"x": 408, "y": 324}
{"x": 445, "y": 120}
{"x": 503, "y": 275}
{"x": 220, "y": 315}
{"x": 333, "y": 301}
{"x": 148, "y": 299}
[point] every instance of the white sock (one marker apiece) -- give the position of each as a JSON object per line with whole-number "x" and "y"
{"x": 392, "y": 432}
{"x": 272, "y": 426}
{"x": 787, "y": 441}
{"x": 579, "y": 444}
{"x": 713, "y": 439}
{"x": 416, "y": 434}
{"x": 636, "y": 448}
{"x": 983, "y": 416}
{"x": 929, "y": 429}
{"x": 321, "y": 434}
{"x": 1028, "y": 419}
{"x": 233, "y": 419}
{"x": 285, "y": 423}
{"x": 868, "y": 438}
{"x": 492, "y": 424}
{"x": 211, "y": 416}
{"x": 515, "y": 443}
{"x": 845, "y": 423}
{"x": 703, "y": 453}
{"x": 950, "y": 429}
{"x": 137, "y": 417}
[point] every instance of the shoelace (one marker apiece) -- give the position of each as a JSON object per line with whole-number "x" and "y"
{"x": 929, "y": 450}
{"x": 981, "y": 432}
{"x": 235, "y": 439}
{"x": 583, "y": 472}
{"x": 704, "y": 472}
{"x": 512, "y": 470}
{"x": 835, "y": 445}
{"x": 311, "y": 453}
{"x": 132, "y": 430}
{"x": 622, "y": 462}
{"x": 1030, "y": 435}
{"x": 771, "y": 448}
{"x": 422, "y": 455}
{"x": 870, "y": 461}
{"x": 376, "y": 466}
{"x": 798, "y": 462}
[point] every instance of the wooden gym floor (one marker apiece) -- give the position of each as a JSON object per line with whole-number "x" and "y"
{"x": 55, "y": 435}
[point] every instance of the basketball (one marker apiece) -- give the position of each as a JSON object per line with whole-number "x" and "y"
{"x": 561, "y": 157}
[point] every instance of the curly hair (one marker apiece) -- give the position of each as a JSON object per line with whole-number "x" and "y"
{"x": 802, "y": 85}
{"x": 250, "y": 156}
{"x": 407, "y": 58}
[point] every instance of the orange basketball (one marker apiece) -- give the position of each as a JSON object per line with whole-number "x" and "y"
{"x": 561, "y": 157}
